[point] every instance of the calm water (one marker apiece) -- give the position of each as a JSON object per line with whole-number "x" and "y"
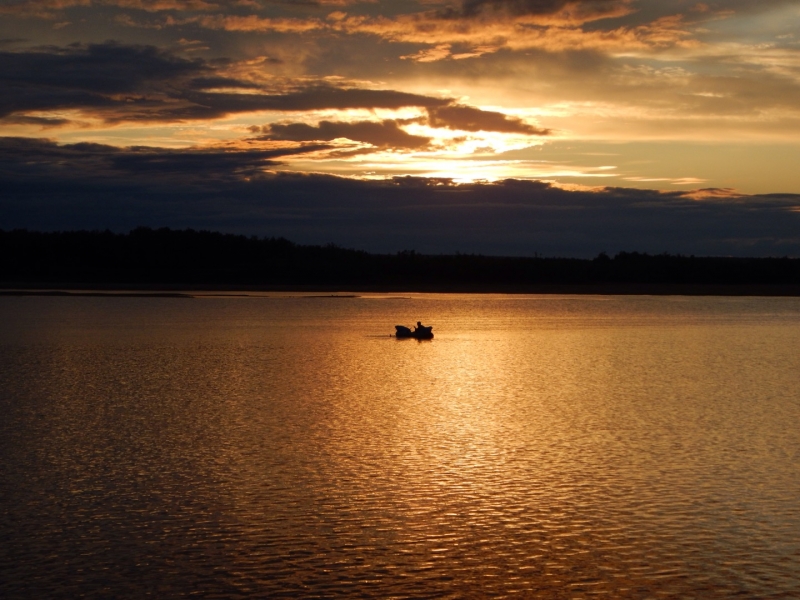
{"x": 555, "y": 447}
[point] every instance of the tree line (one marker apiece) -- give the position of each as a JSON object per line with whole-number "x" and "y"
{"x": 167, "y": 256}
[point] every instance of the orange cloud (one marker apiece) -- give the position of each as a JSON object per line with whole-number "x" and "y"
{"x": 485, "y": 35}
{"x": 712, "y": 194}
{"x": 255, "y": 23}
{"x": 439, "y": 52}
{"x": 478, "y": 27}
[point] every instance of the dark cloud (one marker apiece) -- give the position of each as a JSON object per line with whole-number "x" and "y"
{"x": 87, "y": 162}
{"x": 736, "y": 5}
{"x": 314, "y": 97}
{"x": 44, "y": 122}
{"x": 383, "y": 134}
{"x": 49, "y": 9}
{"x": 96, "y": 76}
{"x": 582, "y": 8}
{"x": 468, "y": 118}
{"x": 142, "y": 83}
{"x": 108, "y": 68}
{"x": 202, "y": 163}
{"x": 206, "y": 83}
{"x": 535, "y": 7}
{"x": 47, "y": 186}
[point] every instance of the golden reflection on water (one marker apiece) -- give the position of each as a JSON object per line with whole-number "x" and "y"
{"x": 544, "y": 446}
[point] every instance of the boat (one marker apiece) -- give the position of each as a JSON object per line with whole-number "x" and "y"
{"x": 419, "y": 333}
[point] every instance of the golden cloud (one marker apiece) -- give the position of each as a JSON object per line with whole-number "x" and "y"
{"x": 255, "y": 23}
{"x": 485, "y": 35}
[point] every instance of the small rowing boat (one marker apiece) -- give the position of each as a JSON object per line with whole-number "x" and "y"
{"x": 420, "y": 332}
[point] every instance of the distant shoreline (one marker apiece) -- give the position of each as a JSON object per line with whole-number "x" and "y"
{"x": 352, "y": 291}
{"x": 121, "y": 293}
{"x": 166, "y": 261}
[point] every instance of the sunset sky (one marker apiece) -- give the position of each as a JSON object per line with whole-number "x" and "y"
{"x": 499, "y": 126}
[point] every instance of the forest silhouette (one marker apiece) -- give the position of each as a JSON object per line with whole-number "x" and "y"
{"x": 166, "y": 257}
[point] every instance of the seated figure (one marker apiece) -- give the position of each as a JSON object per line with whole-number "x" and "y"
{"x": 422, "y": 332}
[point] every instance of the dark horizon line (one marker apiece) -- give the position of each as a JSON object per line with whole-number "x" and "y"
{"x": 167, "y": 258}
{"x": 601, "y": 255}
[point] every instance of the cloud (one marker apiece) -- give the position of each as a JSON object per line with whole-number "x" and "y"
{"x": 86, "y": 162}
{"x": 97, "y": 76}
{"x": 468, "y": 118}
{"x": 382, "y": 134}
{"x": 439, "y": 52}
{"x": 660, "y": 71}
{"x": 107, "y": 68}
{"x": 203, "y": 105}
{"x": 201, "y": 163}
{"x": 117, "y": 83}
{"x": 43, "y": 122}
{"x": 49, "y": 9}
{"x": 479, "y": 36}
{"x": 712, "y": 193}
{"x": 53, "y": 187}
{"x": 214, "y": 82}
{"x": 389, "y": 133}
{"x": 572, "y": 10}
{"x": 120, "y": 83}
{"x": 255, "y": 23}
{"x": 481, "y": 26}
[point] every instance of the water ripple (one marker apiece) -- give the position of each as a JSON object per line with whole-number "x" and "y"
{"x": 629, "y": 448}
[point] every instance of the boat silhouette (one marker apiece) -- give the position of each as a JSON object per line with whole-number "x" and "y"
{"x": 420, "y": 332}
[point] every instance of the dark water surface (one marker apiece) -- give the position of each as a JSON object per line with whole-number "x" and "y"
{"x": 554, "y": 447}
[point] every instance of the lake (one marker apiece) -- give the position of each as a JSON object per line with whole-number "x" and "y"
{"x": 286, "y": 446}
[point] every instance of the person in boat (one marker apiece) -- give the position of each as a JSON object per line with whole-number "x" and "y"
{"x": 420, "y": 328}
